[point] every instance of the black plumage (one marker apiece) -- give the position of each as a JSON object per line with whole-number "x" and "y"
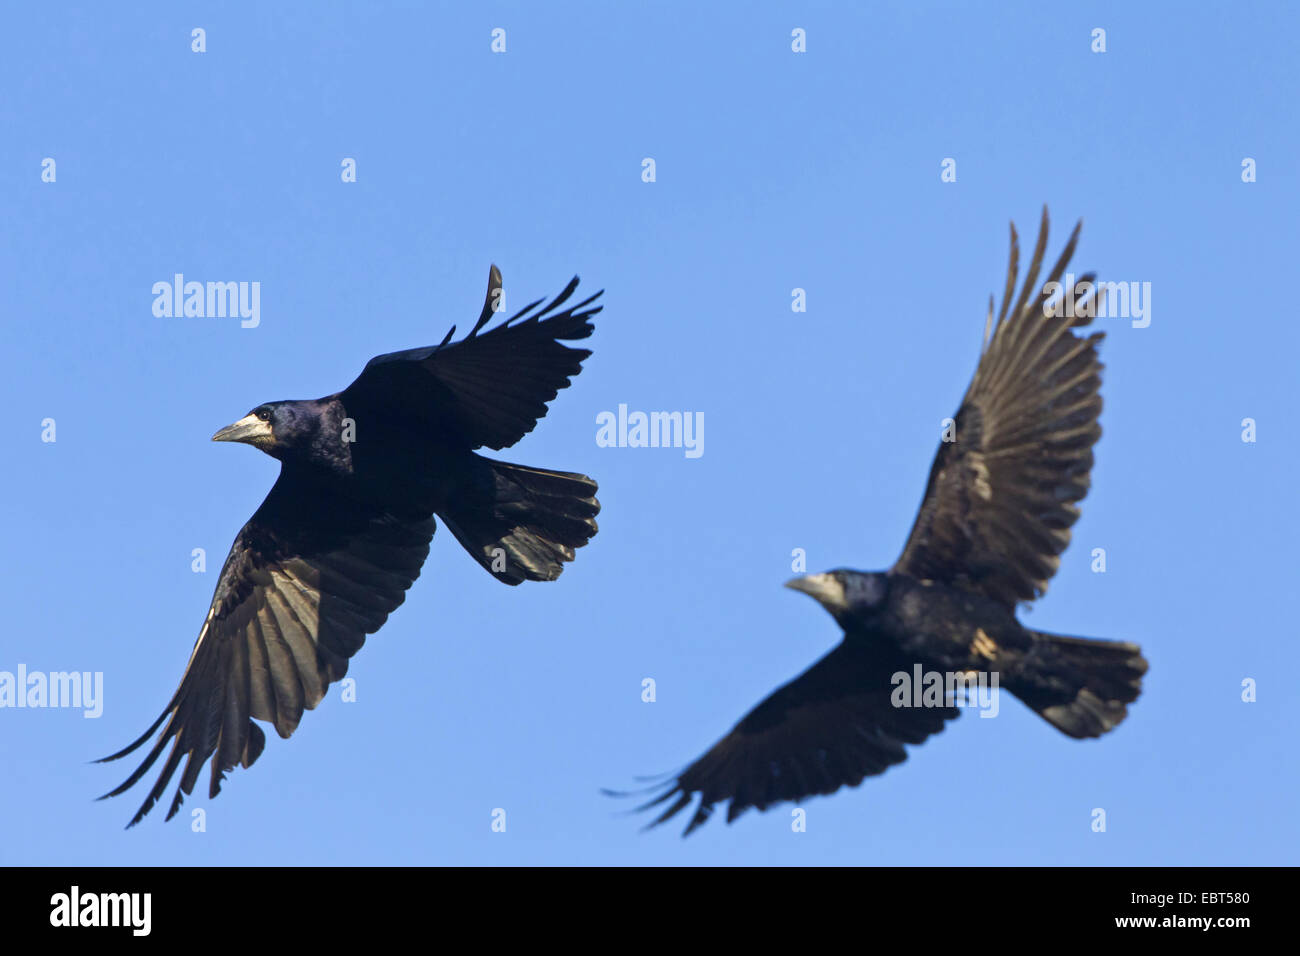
{"x": 344, "y": 531}
{"x": 996, "y": 515}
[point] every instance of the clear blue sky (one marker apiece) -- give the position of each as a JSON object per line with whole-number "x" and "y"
{"x": 775, "y": 170}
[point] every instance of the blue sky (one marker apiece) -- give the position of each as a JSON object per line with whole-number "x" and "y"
{"x": 775, "y": 170}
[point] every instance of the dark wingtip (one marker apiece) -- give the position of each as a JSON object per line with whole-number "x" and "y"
{"x": 139, "y": 815}
{"x": 489, "y": 300}
{"x": 655, "y": 782}
{"x": 142, "y": 812}
{"x": 176, "y": 805}
{"x": 139, "y": 741}
{"x": 630, "y": 811}
{"x": 587, "y": 301}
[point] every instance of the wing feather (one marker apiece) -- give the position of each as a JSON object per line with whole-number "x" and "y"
{"x": 1000, "y": 500}
{"x": 830, "y": 727}
{"x": 491, "y": 387}
{"x": 292, "y": 604}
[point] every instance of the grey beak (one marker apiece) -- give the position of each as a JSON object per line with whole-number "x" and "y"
{"x": 824, "y": 588}
{"x": 250, "y": 429}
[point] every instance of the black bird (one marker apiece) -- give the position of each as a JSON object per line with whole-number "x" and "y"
{"x": 347, "y": 525}
{"x": 995, "y": 517}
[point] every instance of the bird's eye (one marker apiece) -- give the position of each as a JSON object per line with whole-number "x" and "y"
{"x": 264, "y": 414}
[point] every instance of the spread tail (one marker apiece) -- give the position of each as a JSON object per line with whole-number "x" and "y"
{"x": 1079, "y": 685}
{"x": 522, "y": 524}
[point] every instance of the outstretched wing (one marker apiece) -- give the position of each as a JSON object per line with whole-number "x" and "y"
{"x": 1001, "y": 497}
{"x": 487, "y": 389}
{"x": 830, "y": 727}
{"x": 294, "y": 601}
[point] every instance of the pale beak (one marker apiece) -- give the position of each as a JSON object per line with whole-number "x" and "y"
{"x": 825, "y": 588}
{"x": 250, "y": 429}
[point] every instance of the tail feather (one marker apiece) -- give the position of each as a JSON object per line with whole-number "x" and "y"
{"x": 523, "y": 524}
{"x": 1079, "y": 685}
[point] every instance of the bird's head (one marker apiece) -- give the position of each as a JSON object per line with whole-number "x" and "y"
{"x": 274, "y": 428}
{"x": 846, "y": 594}
{"x": 304, "y": 431}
